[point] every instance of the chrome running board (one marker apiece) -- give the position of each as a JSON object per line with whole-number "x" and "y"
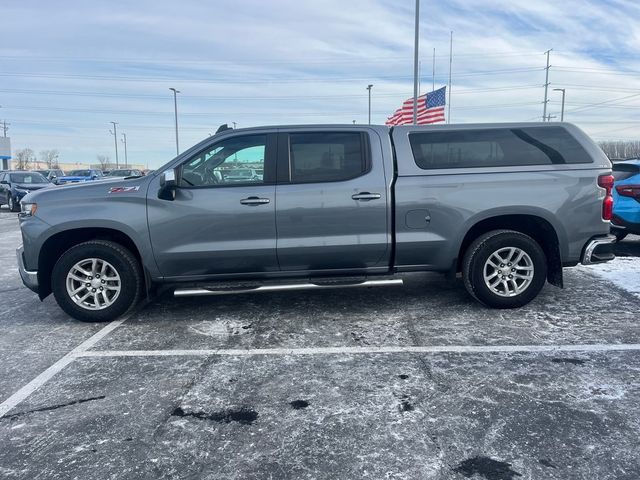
{"x": 199, "y": 292}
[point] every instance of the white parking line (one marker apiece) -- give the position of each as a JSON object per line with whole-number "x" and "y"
{"x": 361, "y": 350}
{"x": 45, "y": 376}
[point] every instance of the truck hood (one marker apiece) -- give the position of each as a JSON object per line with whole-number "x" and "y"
{"x": 84, "y": 192}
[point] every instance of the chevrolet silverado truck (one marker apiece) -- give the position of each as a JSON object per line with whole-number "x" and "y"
{"x": 507, "y": 206}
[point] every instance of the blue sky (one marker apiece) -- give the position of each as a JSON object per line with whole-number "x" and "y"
{"x": 69, "y": 68}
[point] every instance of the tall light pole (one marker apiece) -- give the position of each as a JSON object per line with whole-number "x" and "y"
{"x": 369, "y": 87}
{"x": 115, "y": 140}
{"x": 124, "y": 140}
{"x": 175, "y": 109}
{"x": 415, "y": 64}
{"x": 561, "y": 111}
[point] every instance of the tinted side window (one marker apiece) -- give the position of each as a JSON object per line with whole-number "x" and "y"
{"x": 326, "y": 156}
{"x": 496, "y": 148}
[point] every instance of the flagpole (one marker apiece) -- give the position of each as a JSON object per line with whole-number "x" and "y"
{"x": 415, "y": 64}
{"x": 433, "y": 72}
{"x": 450, "y": 62}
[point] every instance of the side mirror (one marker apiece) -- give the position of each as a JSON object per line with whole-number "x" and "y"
{"x": 168, "y": 185}
{"x": 4, "y": 182}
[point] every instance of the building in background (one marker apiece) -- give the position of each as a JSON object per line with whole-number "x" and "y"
{"x": 5, "y": 153}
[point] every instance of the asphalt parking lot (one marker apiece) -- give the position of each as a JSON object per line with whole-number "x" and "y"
{"x": 399, "y": 382}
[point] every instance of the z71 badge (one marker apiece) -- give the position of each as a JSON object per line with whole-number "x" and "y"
{"x": 124, "y": 189}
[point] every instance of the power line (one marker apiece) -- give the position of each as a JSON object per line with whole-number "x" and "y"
{"x": 243, "y": 80}
{"x": 246, "y": 97}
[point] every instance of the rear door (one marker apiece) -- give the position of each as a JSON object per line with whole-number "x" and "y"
{"x": 332, "y": 201}
{"x": 222, "y": 220}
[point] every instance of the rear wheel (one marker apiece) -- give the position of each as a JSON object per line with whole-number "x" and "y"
{"x": 97, "y": 281}
{"x": 504, "y": 269}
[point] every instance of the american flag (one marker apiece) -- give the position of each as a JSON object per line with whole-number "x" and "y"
{"x": 430, "y": 109}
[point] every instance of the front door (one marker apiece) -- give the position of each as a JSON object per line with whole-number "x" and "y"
{"x": 222, "y": 220}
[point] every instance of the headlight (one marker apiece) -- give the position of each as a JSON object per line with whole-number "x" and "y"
{"x": 28, "y": 209}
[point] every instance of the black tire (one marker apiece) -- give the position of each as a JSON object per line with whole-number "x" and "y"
{"x": 13, "y": 205}
{"x": 482, "y": 248}
{"x": 121, "y": 259}
{"x": 619, "y": 234}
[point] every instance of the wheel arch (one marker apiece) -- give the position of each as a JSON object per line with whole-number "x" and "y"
{"x": 533, "y": 225}
{"x": 58, "y": 243}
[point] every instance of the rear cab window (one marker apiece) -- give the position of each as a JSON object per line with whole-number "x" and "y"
{"x": 496, "y": 147}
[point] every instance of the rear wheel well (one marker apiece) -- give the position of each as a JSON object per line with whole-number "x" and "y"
{"x": 536, "y": 227}
{"x": 59, "y": 243}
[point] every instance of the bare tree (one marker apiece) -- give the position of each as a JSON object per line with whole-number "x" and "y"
{"x": 615, "y": 149}
{"x": 50, "y": 158}
{"x": 24, "y": 159}
{"x": 103, "y": 160}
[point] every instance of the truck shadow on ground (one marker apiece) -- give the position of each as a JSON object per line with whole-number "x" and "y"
{"x": 629, "y": 247}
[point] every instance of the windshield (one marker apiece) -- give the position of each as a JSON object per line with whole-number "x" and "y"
{"x": 80, "y": 173}
{"x": 31, "y": 177}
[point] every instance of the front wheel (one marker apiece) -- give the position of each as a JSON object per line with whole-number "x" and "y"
{"x": 504, "y": 269}
{"x": 97, "y": 281}
{"x": 13, "y": 205}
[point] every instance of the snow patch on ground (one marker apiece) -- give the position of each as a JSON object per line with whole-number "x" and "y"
{"x": 624, "y": 272}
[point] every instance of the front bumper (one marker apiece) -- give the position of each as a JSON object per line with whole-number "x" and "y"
{"x": 29, "y": 278}
{"x": 598, "y": 250}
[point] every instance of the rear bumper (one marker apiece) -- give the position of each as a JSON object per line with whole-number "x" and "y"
{"x": 619, "y": 223}
{"x": 598, "y": 250}
{"x": 29, "y": 278}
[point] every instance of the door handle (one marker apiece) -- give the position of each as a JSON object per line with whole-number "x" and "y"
{"x": 254, "y": 201}
{"x": 365, "y": 196}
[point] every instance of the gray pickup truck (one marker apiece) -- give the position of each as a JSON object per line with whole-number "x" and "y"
{"x": 506, "y": 205}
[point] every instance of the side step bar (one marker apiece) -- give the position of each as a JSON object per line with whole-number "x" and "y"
{"x": 199, "y": 292}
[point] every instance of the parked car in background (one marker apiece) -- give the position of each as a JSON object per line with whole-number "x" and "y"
{"x": 125, "y": 172}
{"x": 241, "y": 175}
{"x": 51, "y": 174}
{"x": 82, "y": 175}
{"x": 626, "y": 198}
{"x": 14, "y": 185}
{"x": 506, "y": 205}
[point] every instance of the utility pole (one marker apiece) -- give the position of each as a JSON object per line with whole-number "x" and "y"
{"x": 415, "y": 64}
{"x": 124, "y": 140}
{"x": 234, "y": 125}
{"x": 369, "y": 87}
{"x": 562, "y": 110}
{"x": 175, "y": 109}
{"x": 5, "y": 127}
{"x": 115, "y": 140}
{"x": 546, "y": 86}
{"x": 450, "y": 62}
